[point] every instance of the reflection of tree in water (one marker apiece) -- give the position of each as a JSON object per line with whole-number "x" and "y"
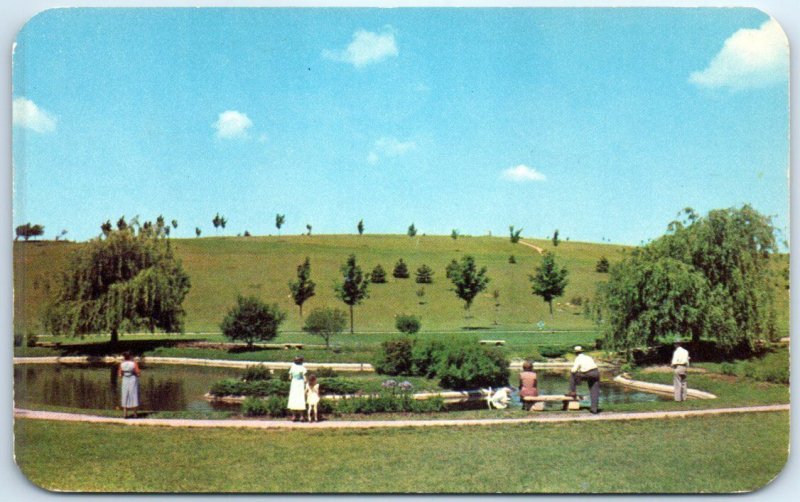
{"x": 162, "y": 393}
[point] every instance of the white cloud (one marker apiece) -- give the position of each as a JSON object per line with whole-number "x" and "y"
{"x": 749, "y": 58}
{"x": 232, "y": 124}
{"x": 522, "y": 173}
{"x": 366, "y": 48}
{"x": 26, "y": 114}
{"x": 389, "y": 147}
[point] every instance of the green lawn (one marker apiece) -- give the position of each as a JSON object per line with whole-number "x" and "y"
{"x": 708, "y": 454}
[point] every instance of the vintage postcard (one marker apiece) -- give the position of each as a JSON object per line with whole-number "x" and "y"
{"x": 413, "y": 250}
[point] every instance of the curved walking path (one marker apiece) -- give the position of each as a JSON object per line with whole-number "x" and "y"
{"x": 537, "y": 248}
{"x": 375, "y": 424}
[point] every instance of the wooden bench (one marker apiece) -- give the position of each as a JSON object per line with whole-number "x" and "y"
{"x": 568, "y": 402}
{"x": 492, "y": 342}
{"x": 287, "y": 346}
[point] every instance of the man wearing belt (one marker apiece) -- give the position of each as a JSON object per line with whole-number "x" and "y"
{"x": 585, "y": 369}
{"x": 680, "y": 361}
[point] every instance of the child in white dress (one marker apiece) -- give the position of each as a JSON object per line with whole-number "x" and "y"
{"x": 312, "y": 396}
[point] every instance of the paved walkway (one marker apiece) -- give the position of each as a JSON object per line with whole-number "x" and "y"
{"x": 375, "y": 424}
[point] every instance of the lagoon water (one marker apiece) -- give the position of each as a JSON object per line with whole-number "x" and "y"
{"x": 165, "y": 387}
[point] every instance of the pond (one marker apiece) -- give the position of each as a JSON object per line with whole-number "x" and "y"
{"x": 181, "y": 388}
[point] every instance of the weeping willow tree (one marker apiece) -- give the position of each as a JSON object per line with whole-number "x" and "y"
{"x": 125, "y": 280}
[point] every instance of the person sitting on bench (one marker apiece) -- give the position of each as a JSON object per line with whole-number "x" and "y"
{"x": 585, "y": 369}
{"x": 528, "y": 383}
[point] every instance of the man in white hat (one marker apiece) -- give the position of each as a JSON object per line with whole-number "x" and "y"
{"x": 585, "y": 369}
{"x": 680, "y": 364}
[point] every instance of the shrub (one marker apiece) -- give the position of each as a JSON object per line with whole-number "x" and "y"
{"x": 602, "y": 265}
{"x": 395, "y": 357}
{"x": 273, "y": 406}
{"x": 512, "y": 260}
{"x": 400, "y": 270}
{"x": 470, "y": 367}
{"x": 326, "y": 372}
{"x": 388, "y": 402}
{"x": 552, "y": 351}
{"x": 256, "y": 372}
{"x": 254, "y": 407}
{"x": 19, "y": 338}
{"x": 252, "y": 320}
{"x": 577, "y": 301}
{"x": 727, "y": 369}
{"x": 408, "y": 324}
{"x": 31, "y": 340}
{"x": 338, "y": 386}
{"x": 452, "y": 269}
{"x": 234, "y": 387}
{"x": 424, "y": 275}
{"x": 378, "y": 275}
{"x": 425, "y": 357}
{"x": 598, "y": 343}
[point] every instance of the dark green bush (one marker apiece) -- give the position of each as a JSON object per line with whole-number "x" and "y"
{"x": 400, "y": 270}
{"x": 31, "y": 340}
{"x": 425, "y": 356}
{"x": 273, "y": 406}
{"x": 257, "y": 372}
{"x": 233, "y": 387}
{"x": 338, "y": 386}
{"x": 387, "y": 402}
{"x": 408, "y": 324}
{"x": 378, "y": 275}
{"x": 471, "y": 367}
{"x": 325, "y": 372}
{"x": 395, "y": 357}
{"x": 554, "y": 350}
{"x": 254, "y": 407}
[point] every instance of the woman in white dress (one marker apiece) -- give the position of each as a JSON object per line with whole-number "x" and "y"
{"x": 129, "y": 371}
{"x": 297, "y": 389}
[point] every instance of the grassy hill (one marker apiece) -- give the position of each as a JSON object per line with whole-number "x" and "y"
{"x": 220, "y": 268}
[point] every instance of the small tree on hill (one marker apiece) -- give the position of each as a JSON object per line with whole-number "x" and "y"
{"x": 303, "y": 288}
{"x": 354, "y": 289}
{"x": 378, "y": 275}
{"x": 197, "y": 231}
{"x": 308, "y": 228}
{"x": 451, "y": 269}
{"x": 468, "y": 280}
{"x": 280, "y": 219}
{"x": 412, "y": 230}
{"x": 454, "y": 234}
{"x": 424, "y": 275}
{"x": 555, "y": 238}
{"x": 515, "y": 234}
{"x": 512, "y": 260}
{"x": 602, "y": 265}
{"x": 496, "y": 298}
{"x": 549, "y": 280}
{"x": 360, "y": 227}
{"x": 407, "y": 324}
{"x": 27, "y": 231}
{"x": 251, "y": 320}
{"x": 174, "y": 223}
{"x": 128, "y": 280}
{"x": 400, "y": 270}
{"x": 326, "y": 322}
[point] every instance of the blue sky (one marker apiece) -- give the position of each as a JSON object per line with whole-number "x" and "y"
{"x": 602, "y": 123}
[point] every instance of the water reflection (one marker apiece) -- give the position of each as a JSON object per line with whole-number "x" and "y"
{"x": 161, "y": 388}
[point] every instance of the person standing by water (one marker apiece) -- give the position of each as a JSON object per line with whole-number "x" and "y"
{"x": 528, "y": 383}
{"x": 585, "y": 369}
{"x": 680, "y": 364}
{"x": 129, "y": 371}
{"x": 297, "y": 389}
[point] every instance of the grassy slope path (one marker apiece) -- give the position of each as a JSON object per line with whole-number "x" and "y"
{"x": 372, "y": 424}
{"x": 537, "y": 248}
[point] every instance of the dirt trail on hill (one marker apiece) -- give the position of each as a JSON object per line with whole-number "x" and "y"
{"x": 537, "y": 248}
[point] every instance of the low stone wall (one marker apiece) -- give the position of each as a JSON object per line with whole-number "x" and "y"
{"x": 449, "y": 397}
{"x": 658, "y": 388}
{"x": 218, "y": 363}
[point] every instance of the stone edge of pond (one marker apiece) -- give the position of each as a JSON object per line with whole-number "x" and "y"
{"x": 659, "y": 388}
{"x": 227, "y": 363}
{"x": 363, "y": 424}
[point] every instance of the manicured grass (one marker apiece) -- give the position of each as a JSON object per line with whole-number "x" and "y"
{"x": 221, "y": 268}
{"x": 714, "y": 454}
{"x": 356, "y": 348}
